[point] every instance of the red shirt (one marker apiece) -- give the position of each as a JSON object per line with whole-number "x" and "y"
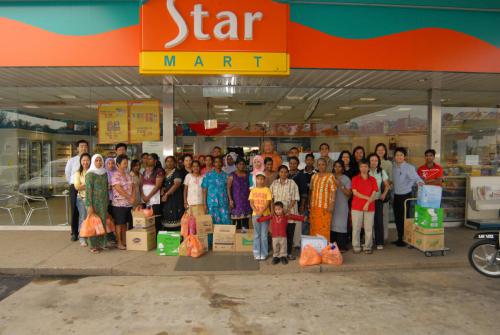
{"x": 432, "y": 173}
{"x": 279, "y": 223}
{"x": 365, "y": 187}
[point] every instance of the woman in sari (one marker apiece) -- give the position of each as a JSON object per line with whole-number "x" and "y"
{"x": 322, "y": 200}
{"x": 97, "y": 198}
{"x": 215, "y": 195}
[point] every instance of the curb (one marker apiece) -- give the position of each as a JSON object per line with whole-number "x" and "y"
{"x": 265, "y": 270}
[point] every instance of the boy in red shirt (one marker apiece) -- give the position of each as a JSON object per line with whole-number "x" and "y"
{"x": 430, "y": 172}
{"x": 364, "y": 190}
{"x": 279, "y": 221}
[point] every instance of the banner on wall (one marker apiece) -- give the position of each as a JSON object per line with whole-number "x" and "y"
{"x": 144, "y": 119}
{"x": 113, "y": 122}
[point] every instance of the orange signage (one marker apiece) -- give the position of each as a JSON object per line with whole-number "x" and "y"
{"x": 214, "y": 25}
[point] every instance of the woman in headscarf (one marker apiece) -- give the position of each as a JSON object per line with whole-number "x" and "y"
{"x": 97, "y": 198}
{"x": 229, "y": 160}
{"x": 257, "y": 167}
{"x": 110, "y": 165}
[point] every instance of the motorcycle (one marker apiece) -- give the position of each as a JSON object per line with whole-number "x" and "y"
{"x": 484, "y": 255}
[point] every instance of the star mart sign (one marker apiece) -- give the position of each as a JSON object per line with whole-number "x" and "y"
{"x": 212, "y": 37}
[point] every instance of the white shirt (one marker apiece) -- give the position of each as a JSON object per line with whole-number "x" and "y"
{"x": 72, "y": 166}
{"x": 195, "y": 192}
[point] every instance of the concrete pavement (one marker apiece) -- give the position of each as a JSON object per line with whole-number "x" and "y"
{"x": 444, "y": 302}
{"x": 51, "y": 253}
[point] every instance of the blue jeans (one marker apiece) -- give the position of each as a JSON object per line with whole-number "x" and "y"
{"x": 260, "y": 247}
{"x": 82, "y": 215}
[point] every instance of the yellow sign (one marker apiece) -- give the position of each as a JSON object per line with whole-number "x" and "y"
{"x": 113, "y": 122}
{"x": 144, "y": 121}
{"x": 214, "y": 63}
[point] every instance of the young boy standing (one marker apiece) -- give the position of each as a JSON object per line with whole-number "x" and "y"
{"x": 279, "y": 223}
{"x": 260, "y": 201}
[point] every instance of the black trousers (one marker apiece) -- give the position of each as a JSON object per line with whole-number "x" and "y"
{"x": 340, "y": 238}
{"x": 241, "y": 223}
{"x": 290, "y": 231}
{"x": 378, "y": 222}
{"x": 399, "y": 210}
{"x": 74, "y": 210}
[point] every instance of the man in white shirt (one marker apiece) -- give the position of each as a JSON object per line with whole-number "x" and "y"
{"x": 72, "y": 167}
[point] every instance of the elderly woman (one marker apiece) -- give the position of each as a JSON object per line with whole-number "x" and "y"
{"x": 322, "y": 200}
{"x": 96, "y": 198}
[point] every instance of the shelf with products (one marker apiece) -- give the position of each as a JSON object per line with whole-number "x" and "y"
{"x": 453, "y": 200}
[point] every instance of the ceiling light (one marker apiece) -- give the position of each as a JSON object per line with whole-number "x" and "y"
{"x": 445, "y": 100}
{"x": 223, "y": 118}
{"x": 58, "y": 113}
{"x": 367, "y": 99}
{"x": 222, "y": 113}
{"x": 284, "y": 107}
{"x": 67, "y": 96}
{"x": 221, "y": 106}
{"x": 346, "y": 108}
{"x": 404, "y": 109}
{"x": 228, "y": 110}
{"x": 31, "y": 106}
{"x": 422, "y": 80}
{"x": 329, "y": 114}
{"x": 296, "y": 97}
{"x": 94, "y": 106}
{"x": 315, "y": 119}
{"x": 380, "y": 115}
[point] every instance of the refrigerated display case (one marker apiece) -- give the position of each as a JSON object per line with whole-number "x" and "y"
{"x": 22, "y": 161}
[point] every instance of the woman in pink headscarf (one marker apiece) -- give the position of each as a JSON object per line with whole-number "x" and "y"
{"x": 258, "y": 167}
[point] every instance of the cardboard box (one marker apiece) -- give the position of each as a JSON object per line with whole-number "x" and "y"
{"x": 429, "y": 231}
{"x": 429, "y": 196}
{"x": 223, "y": 247}
{"x": 141, "y": 239}
{"x": 198, "y": 210}
{"x": 168, "y": 243}
{"x": 428, "y": 217}
{"x": 409, "y": 231}
{"x": 224, "y": 238}
{"x": 429, "y": 242}
{"x": 204, "y": 224}
{"x": 244, "y": 241}
{"x": 318, "y": 242}
{"x": 139, "y": 220}
{"x": 203, "y": 240}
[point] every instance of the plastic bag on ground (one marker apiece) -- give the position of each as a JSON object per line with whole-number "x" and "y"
{"x": 331, "y": 255}
{"x": 309, "y": 256}
{"x": 194, "y": 246}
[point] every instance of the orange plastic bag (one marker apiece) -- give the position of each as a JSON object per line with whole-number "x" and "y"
{"x": 309, "y": 256}
{"x": 110, "y": 224}
{"x": 97, "y": 225}
{"x": 194, "y": 247}
{"x": 87, "y": 229}
{"x": 185, "y": 225}
{"x": 331, "y": 256}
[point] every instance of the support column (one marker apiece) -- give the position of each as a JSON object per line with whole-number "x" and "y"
{"x": 434, "y": 122}
{"x": 168, "y": 117}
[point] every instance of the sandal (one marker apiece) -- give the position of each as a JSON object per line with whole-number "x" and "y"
{"x": 122, "y": 247}
{"x": 94, "y": 251}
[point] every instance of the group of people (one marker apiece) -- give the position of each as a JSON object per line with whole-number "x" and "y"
{"x": 335, "y": 199}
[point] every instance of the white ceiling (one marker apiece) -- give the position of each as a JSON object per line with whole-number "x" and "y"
{"x": 254, "y": 98}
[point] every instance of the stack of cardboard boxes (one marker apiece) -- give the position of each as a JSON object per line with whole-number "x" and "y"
{"x": 228, "y": 239}
{"x": 426, "y": 231}
{"x": 143, "y": 236}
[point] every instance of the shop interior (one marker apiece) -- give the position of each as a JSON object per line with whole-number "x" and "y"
{"x": 43, "y": 111}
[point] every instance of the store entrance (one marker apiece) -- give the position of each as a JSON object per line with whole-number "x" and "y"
{"x": 43, "y": 112}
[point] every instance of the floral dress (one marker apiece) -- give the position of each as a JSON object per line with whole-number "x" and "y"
{"x": 96, "y": 187}
{"x": 240, "y": 191}
{"x": 217, "y": 198}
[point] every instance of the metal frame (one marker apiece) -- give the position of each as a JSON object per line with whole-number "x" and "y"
{"x": 33, "y": 199}
{"x": 10, "y": 208}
